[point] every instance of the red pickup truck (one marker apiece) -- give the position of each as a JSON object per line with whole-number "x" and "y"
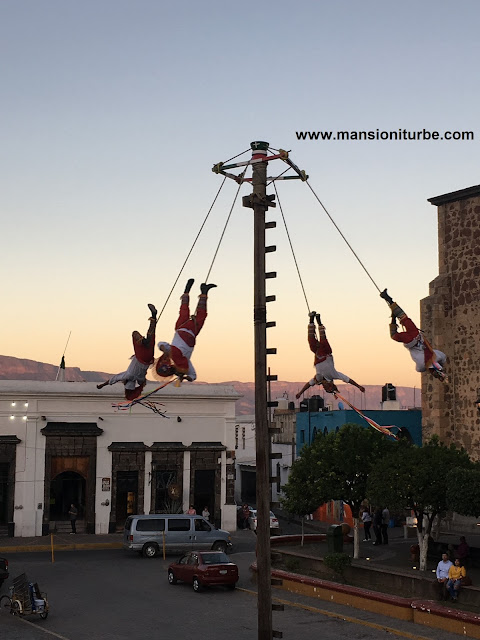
{"x": 3, "y": 570}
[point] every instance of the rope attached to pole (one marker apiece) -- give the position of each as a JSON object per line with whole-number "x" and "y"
{"x": 344, "y": 238}
{"x": 191, "y": 249}
{"x": 291, "y": 246}
{"x": 226, "y": 223}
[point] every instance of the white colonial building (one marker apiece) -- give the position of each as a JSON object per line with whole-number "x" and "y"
{"x": 64, "y": 442}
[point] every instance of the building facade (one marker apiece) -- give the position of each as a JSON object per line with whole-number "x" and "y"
{"x": 450, "y": 316}
{"x": 64, "y": 442}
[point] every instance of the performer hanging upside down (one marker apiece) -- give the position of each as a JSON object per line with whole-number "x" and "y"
{"x": 134, "y": 378}
{"x": 424, "y": 356}
{"x": 176, "y": 356}
{"x": 324, "y": 365}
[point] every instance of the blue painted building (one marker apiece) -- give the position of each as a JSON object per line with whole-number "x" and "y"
{"x": 311, "y": 423}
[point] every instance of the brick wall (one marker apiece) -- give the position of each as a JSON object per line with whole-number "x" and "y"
{"x": 450, "y": 316}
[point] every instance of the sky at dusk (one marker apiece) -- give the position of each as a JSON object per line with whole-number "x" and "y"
{"x": 112, "y": 116}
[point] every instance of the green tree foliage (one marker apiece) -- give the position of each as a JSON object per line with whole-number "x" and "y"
{"x": 463, "y": 491}
{"x": 416, "y": 478}
{"x": 337, "y": 466}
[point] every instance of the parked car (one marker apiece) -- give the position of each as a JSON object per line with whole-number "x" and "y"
{"x": 204, "y": 569}
{"x": 3, "y": 570}
{"x": 252, "y": 521}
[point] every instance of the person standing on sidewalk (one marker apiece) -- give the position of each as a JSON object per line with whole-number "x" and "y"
{"x": 385, "y": 523}
{"x": 73, "y": 513}
{"x": 377, "y": 526}
{"x": 367, "y": 523}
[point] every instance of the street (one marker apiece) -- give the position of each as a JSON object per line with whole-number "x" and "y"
{"x": 115, "y": 595}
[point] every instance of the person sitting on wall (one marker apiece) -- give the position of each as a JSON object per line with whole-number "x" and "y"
{"x": 443, "y": 568}
{"x": 456, "y": 574}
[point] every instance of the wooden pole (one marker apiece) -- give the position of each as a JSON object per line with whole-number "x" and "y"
{"x": 263, "y": 489}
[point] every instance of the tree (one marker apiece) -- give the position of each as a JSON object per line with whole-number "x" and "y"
{"x": 335, "y": 467}
{"x": 463, "y": 491}
{"x": 415, "y": 478}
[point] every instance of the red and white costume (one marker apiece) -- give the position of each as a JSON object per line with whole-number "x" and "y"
{"x": 422, "y": 354}
{"x": 323, "y": 362}
{"x": 140, "y": 362}
{"x": 187, "y": 328}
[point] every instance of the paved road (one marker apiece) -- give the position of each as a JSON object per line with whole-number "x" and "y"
{"x": 112, "y": 595}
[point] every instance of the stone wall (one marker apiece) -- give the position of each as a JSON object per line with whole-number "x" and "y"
{"x": 450, "y": 317}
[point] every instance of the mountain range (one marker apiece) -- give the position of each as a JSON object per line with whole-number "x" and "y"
{"x": 22, "y": 369}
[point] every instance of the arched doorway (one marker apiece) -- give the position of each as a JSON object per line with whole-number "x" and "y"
{"x": 67, "y": 488}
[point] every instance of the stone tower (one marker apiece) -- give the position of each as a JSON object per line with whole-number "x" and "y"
{"x": 450, "y": 317}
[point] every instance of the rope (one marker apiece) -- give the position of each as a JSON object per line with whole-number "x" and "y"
{"x": 346, "y": 241}
{"x": 191, "y": 249}
{"x": 226, "y": 223}
{"x": 291, "y": 247}
{"x": 385, "y": 430}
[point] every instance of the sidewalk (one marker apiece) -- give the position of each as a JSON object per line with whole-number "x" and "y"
{"x": 61, "y": 542}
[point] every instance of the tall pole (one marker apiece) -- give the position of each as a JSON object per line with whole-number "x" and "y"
{"x": 260, "y": 205}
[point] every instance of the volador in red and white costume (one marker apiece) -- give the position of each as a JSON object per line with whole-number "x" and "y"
{"x": 177, "y": 354}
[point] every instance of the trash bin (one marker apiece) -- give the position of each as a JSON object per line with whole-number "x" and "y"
{"x": 335, "y": 538}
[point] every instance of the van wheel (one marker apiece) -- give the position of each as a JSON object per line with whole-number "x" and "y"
{"x": 196, "y": 585}
{"x": 171, "y": 577}
{"x": 219, "y": 546}
{"x": 150, "y": 550}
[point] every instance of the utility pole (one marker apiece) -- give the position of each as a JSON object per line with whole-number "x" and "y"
{"x": 260, "y": 202}
{"x": 260, "y": 205}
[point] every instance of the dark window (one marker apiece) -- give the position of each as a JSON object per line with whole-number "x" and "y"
{"x": 302, "y": 436}
{"x": 201, "y": 525}
{"x": 215, "y": 558}
{"x": 151, "y": 524}
{"x": 180, "y": 524}
{"x": 128, "y": 523}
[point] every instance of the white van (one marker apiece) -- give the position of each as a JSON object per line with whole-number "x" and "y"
{"x": 179, "y": 532}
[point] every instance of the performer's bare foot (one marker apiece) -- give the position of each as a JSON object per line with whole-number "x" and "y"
{"x": 153, "y": 310}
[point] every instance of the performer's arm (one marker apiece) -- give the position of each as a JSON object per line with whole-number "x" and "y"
{"x": 104, "y": 384}
{"x": 302, "y": 390}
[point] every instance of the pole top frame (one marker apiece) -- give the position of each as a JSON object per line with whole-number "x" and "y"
{"x": 260, "y": 151}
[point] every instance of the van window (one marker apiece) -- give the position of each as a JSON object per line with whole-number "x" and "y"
{"x": 201, "y": 525}
{"x": 180, "y": 524}
{"x": 152, "y": 524}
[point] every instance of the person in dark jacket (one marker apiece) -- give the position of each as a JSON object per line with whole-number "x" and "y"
{"x": 377, "y": 526}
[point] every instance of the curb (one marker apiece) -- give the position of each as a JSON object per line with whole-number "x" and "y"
{"x": 424, "y": 612}
{"x": 61, "y": 547}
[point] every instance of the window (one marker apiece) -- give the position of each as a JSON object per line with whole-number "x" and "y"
{"x": 236, "y": 436}
{"x": 243, "y": 437}
{"x": 302, "y": 436}
{"x": 151, "y": 524}
{"x": 193, "y": 559}
{"x": 201, "y": 525}
{"x": 179, "y": 524}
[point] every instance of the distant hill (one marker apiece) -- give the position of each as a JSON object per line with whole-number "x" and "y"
{"x": 19, "y": 369}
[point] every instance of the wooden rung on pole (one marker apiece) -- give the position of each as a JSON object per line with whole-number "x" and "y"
{"x": 277, "y": 582}
{"x": 278, "y": 607}
{"x": 272, "y": 378}
{"x": 275, "y": 456}
{"x": 270, "y": 249}
{"x": 270, "y": 225}
{"x": 272, "y": 403}
{"x": 271, "y": 274}
{"x": 271, "y": 351}
{"x": 277, "y": 634}
{"x": 274, "y": 430}
{"x": 271, "y": 324}
{"x": 275, "y": 479}
{"x": 270, "y": 298}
